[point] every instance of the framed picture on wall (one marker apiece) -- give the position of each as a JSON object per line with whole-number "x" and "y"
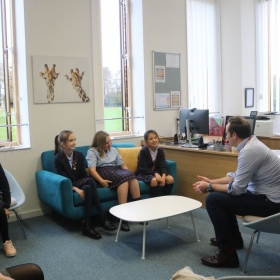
{"x": 249, "y": 97}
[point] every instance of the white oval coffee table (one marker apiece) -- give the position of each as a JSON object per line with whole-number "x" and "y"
{"x": 151, "y": 209}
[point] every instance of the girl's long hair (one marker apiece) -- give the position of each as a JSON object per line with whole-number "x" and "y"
{"x": 61, "y": 138}
{"x": 99, "y": 141}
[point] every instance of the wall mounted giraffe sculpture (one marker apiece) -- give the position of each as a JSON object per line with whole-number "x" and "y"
{"x": 50, "y": 76}
{"x": 76, "y": 80}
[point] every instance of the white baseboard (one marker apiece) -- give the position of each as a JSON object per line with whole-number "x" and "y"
{"x": 29, "y": 214}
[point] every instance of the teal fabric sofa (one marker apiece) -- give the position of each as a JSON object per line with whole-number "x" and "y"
{"x": 56, "y": 191}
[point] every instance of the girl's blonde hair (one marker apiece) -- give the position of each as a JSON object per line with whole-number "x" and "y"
{"x": 61, "y": 138}
{"x": 99, "y": 141}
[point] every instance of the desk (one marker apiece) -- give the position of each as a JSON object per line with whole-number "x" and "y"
{"x": 271, "y": 142}
{"x": 192, "y": 162}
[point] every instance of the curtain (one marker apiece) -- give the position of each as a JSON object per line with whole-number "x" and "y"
{"x": 268, "y": 54}
{"x": 204, "y": 55}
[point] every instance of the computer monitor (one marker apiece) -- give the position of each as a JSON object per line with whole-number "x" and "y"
{"x": 193, "y": 121}
{"x": 252, "y": 122}
{"x": 250, "y": 119}
{"x": 199, "y": 120}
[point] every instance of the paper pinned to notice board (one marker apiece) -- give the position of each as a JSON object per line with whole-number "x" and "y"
{"x": 216, "y": 126}
{"x": 162, "y": 100}
{"x": 160, "y": 74}
{"x": 172, "y": 60}
{"x": 175, "y": 99}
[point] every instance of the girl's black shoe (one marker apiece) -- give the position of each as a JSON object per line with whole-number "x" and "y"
{"x": 125, "y": 226}
{"x": 89, "y": 231}
{"x": 106, "y": 224}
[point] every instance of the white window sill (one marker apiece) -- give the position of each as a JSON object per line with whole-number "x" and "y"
{"x": 126, "y": 137}
{"x": 13, "y": 148}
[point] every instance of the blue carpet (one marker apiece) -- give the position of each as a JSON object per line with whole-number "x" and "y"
{"x": 58, "y": 247}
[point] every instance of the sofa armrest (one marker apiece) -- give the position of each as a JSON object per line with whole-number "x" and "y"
{"x": 172, "y": 170}
{"x": 55, "y": 191}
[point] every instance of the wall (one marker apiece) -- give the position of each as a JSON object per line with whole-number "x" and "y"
{"x": 164, "y": 31}
{"x": 70, "y": 28}
{"x": 238, "y": 54}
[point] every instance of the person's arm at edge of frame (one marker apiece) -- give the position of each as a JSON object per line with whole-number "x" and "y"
{"x": 205, "y": 185}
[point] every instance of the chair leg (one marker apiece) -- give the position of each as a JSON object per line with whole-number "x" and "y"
{"x": 20, "y": 225}
{"x": 249, "y": 251}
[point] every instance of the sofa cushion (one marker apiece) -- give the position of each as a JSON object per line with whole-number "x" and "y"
{"x": 129, "y": 156}
{"x": 106, "y": 194}
{"x": 123, "y": 145}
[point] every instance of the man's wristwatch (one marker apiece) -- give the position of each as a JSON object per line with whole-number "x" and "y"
{"x": 209, "y": 188}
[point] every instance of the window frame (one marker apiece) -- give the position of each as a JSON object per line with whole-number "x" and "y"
{"x": 204, "y": 55}
{"x": 124, "y": 20}
{"x": 267, "y": 85}
{"x": 10, "y": 54}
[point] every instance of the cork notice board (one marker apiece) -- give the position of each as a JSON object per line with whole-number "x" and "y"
{"x": 167, "y": 80}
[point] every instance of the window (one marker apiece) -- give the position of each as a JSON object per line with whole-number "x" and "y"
{"x": 268, "y": 54}
{"x": 115, "y": 60}
{"x": 204, "y": 55}
{"x": 14, "y": 129}
{"x": 8, "y": 128}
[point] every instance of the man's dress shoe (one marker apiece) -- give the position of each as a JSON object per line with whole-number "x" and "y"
{"x": 224, "y": 258}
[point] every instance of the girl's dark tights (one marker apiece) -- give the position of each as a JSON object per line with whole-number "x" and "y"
{"x": 91, "y": 197}
{"x": 3, "y": 224}
{"x": 27, "y": 271}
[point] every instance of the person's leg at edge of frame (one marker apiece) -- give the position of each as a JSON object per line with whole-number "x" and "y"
{"x": 227, "y": 256}
{"x": 28, "y": 271}
{"x": 154, "y": 188}
{"x": 105, "y": 222}
{"x": 167, "y": 189}
{"x": 8, "y": 246}
{"x": 87, "y": 227}
{"x": 135, "y": 191}
{"x": 122, "y": 192}
{"x": 222, "y": 209}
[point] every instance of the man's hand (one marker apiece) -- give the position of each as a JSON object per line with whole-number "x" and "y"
{"x": 7, "y": 212}
{"x": 200, "y": 187}
{"x": 105, "y": 183}
{"x": 203, "y": 179}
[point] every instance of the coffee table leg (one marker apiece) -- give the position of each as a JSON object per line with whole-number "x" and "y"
{"x": 194, "y": 227}
{"x": 119, "y": 227}
{"x": 167, "y": 223}
{"x": 144, "y": 241}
